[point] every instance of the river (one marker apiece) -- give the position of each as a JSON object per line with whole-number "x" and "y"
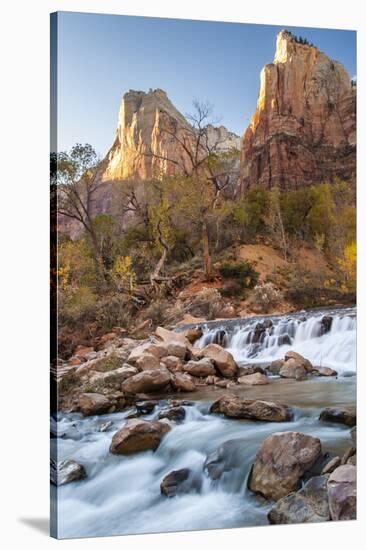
{"x": 121, "y": 495}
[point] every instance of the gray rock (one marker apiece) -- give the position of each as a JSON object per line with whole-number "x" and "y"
{"x": 308, "y": 505}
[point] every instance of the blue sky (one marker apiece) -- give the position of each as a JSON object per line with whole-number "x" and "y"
{"x": 100, "y": 57}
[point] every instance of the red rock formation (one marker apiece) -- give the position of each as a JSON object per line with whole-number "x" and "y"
{"x": 150, "y": 131}
{"x": 304, "y": 128}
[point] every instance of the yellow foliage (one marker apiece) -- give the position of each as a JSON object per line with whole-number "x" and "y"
{"x": 347, "y": 264}
{"x": 123, "y": 273}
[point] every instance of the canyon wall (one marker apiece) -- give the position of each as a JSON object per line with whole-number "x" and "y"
{"x": 304, "y": 128}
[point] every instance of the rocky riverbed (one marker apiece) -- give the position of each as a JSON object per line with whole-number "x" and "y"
{"x": 179, "y": 432}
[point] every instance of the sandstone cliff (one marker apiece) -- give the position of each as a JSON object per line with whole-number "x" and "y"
{"x": 304, "y": 128}
{"x": 150, "y": 130}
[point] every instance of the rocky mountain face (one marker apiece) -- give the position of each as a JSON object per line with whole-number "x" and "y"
{"x": 153, "y": 137}
{"x": 304, "y": 128}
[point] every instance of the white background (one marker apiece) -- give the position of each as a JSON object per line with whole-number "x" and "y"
{"x": 24, "y": 341}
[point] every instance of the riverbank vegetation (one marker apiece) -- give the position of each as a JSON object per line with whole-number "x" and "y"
{"x": 176, "y": 246}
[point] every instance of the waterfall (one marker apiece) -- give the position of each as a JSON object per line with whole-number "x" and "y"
{"x": 326, "y": 338}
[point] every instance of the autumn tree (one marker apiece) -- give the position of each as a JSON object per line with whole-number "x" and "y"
{"x": 77, "y": 182}
{"x": 206, "y": 170}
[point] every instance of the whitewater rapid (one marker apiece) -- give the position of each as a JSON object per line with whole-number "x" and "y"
{"x": 121, "y": 494}
{"x": 303, "y": 333}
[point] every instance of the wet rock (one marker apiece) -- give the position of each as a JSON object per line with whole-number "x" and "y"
{"x": 342, "y": 493}
{"x": 284, "y": 340}
{"x": 147, "y": 381}
{"x": 93, "y": 403}
{"x": 308, "y": 505}
{"x": 299, "y": 360}
{"x": 326, "y": 324}
{"x": 253, "y": 409}
{"x": 281, "y": 462}
{"x": 244, "y": 371}
{"x": 219, "y": 337}
{"x": 180, "y": 482}
{"x": 182, "y": 382}
{"x": 203, "y": 367}
{"x": 146, "y": 407}
{"x": 292, "y": 369}
{"x": 147, "y": 361}
{"x": 260, "y": 330}
{"x": 212, "y": 380}
{"x": 66, "y": 471}
{"x": 177, "y": 414}
{"x": 222, "y": 359}
{"x": 256, "y": 379}
{"x": 354, "y": 435}
{"x": 225, "y": 458}
{"x": 351, "y": 451}
{"x": 105, "y": 426}
{"x": 276, "y": 366}
{"x": 346, "y": 415}
{"x": 352, "y": 460}
{"x": 324, "y": 371}
{"x": 137, "y": 436}
{"x": 331, "y": 465}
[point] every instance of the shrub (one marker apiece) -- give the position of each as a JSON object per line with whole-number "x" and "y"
{"x": 67, "y": 382}
{"x": 239, "y": 276}
{"x": 110, "y": 363}
{"x": 207, "y": 303}
{"x": 114, "y": 311}
{"x": 265, "y": 296}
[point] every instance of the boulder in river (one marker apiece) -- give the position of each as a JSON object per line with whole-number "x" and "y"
{"x": 180, "y": 481}
{"x": 222, "y": 359}
{"x": 280, "y": 463}
{"x": 324, "y": 371}
{"x": 66, "y": 471}
{"x": 308, "y": 505}
{"x": 342, "y": 493}
{"x": 93, "y": 403}
{"x": 276, "y": 366}
{"x": 299, "y": 359}
{"x": 255, "y": 379}
{"x": 252, "y": 409}
{"x": 137, "y": 436}
{"x": 177, "y": 414}
{"x": 170, "y": 337}
{"x": 147, "y": 381}
{"x": 331, "y": 465}
{"x": 182, "y": 382}
{"x": 228, "y": 456}
{"x": 340, "y": 415}
{"x": 292, "y": 369}
{"x": 203, "y": 367}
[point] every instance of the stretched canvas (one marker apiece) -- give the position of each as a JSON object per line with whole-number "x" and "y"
{"x": 203, "y": 275}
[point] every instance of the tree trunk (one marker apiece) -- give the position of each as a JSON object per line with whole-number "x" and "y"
{"x": 206, "y": 252}
{"x": 159, "y": 266}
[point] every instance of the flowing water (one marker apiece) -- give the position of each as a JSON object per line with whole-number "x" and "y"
{"x": 121, "y": 495}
